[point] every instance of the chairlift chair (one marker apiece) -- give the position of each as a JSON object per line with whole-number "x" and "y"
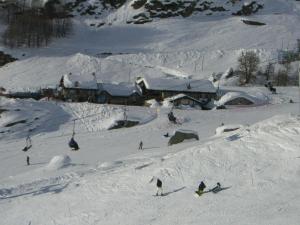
{"x": 171, "y": 117}
{"x": 72, "y": 143}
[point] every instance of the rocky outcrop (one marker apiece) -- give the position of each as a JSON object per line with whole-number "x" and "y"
{"x": 6, "y": 58}
{"x": 148, "y": 10}
{"x": 168, "y": 8}
{"x": 249, "y": 9}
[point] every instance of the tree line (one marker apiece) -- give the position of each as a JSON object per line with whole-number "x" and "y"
{"x": 249, "y": 70}
{"x": 34, "y": 27}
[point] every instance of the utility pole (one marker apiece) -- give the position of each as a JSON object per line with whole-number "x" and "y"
{"x": 202, "y": 62}
{"x": 129, "y": 73}
{"x": 299, "y": 86}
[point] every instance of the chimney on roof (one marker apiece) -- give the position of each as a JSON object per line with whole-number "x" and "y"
{"x": 188, "y": 86}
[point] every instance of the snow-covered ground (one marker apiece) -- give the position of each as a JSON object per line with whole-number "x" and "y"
{"x": 107, "y": 180}
{"x": 197, "y": 47}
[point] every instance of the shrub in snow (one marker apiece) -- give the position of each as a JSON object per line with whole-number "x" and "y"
{"x": 59, "y": 162}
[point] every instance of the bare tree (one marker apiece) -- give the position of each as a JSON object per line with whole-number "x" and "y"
{"x": 248, "y": 64}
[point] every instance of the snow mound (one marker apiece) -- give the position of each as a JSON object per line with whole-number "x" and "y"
{"x": 152, "y": 103}
{"x": 110, "y": 165}
{"x": 59, "y": 162}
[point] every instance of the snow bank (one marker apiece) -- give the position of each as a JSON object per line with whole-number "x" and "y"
{"x": 152, "y": 103}
{"x": 37, "y": 117}
{"x": 59, "y": 162}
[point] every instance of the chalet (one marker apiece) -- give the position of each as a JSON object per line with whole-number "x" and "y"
{"x": 122, "y": 94}
{"x": 78, "y": 88}
{"x": 161, "y": 88}
{"x": 182, "y": 100}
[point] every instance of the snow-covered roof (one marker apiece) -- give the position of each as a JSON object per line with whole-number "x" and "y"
{"x": 185, "y": 131}
{"x": 257, "y": 100}
{"x": 175, "y": 97}
{"x": 122, "y": 89}
{"x": 186, "y": 85}
{"x": 81, "y": 82}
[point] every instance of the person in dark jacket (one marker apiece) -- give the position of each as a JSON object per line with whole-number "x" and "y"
{"x": 201, "y": 188}
{"x": 141, "y": 146}
{"x": 159, "y": 187}
{"x": 27, "y": 160}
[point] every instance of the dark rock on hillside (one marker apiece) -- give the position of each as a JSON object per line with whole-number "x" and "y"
{"x": 5, "y": 58}
{"x": 168, "y": 8}
{"x": 255, "y": 23}
{"x": 147, "y": 10}
{"x": 249, "y": 9}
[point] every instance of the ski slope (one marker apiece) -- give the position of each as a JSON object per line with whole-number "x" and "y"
{"x": 107, "y": 180}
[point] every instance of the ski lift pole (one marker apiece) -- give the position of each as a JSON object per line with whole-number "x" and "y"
{"x": 299, "y": 87}
{"x": 73, "y": 133}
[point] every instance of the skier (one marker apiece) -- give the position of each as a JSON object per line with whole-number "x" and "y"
{"x": 166, "y": 135}
{"x": 159, "y": 187}
{"x": 27, "y": 160}
{"x": 141, "y": 146}
{"x": 201, "y": 188}
{"x": 216, "y": 189}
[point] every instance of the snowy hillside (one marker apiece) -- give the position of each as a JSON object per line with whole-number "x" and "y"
{"x": 252, "y": 150}
{"x": 196, "y": 46}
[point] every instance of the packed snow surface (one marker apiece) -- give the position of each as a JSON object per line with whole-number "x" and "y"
{"x": 58, "y": 162}
{"x": 108, "y": 180}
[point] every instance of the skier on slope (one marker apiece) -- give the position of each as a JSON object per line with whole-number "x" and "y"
{"x": 216, "y": 189}
{"x": 141, "y": 146}
{"x": 201, "y": 188}
{"x": 28, "y": 160}
{"x": 158, "y": 185}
